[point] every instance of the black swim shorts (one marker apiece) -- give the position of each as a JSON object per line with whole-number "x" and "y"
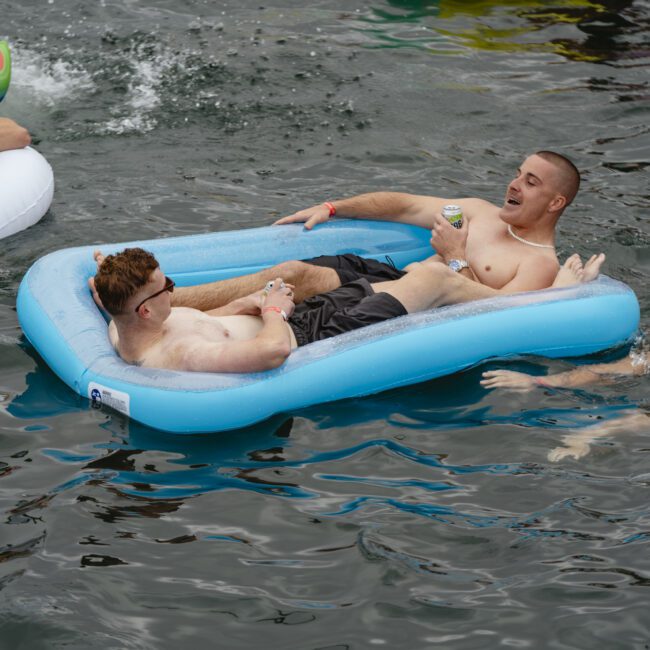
{"x": 352, "y": 267}
{"x": 347, "y": 308}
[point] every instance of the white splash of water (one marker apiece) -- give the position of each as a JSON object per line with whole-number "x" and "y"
{"x": 48, "y": 81}
{"x": 640, "y": 354}
{"x": 143, "y": 97}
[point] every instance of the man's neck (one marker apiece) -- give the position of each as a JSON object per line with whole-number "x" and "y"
{"x": 534, "y": 237}
{"x": 134, "y": 340}
{"x": 540, "y": 232}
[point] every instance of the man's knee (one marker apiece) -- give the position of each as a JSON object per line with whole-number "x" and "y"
{"x": 309, "y": 279}
{"x": 292, "y": 271}
{"x": 431, "y": 273}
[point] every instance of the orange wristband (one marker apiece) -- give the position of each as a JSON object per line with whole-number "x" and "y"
{"x": 331, "y": 208}
{"x": 277, "y": 310}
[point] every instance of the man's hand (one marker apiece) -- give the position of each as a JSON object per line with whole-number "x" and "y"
{"x": 508, "y": 379}
{"x": 251, "y": 304}
{"x": 575, "y": 448}
{"x": 12, "y": 135}
{"x": 447, "y": 241}
{"x": 280, "y": 295}
{"x": 310, "y": 216}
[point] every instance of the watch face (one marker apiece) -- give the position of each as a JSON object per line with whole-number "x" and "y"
{"x": 455, "y": 265}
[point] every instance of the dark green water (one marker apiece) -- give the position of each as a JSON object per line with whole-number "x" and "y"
{"x": 429, "y": 517}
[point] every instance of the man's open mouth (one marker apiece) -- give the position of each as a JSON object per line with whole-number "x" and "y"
{"x": 512, "y": 201}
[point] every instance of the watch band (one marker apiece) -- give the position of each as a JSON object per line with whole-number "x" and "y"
{"x": 277, "y": 310}
{"x": 458, "y": 265}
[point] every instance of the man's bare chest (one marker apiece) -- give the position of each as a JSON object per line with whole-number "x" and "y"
{"x": 491, "y": 256}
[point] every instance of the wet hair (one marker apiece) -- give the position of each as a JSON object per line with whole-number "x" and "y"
{"x": 121, "y": 276}
{"x": 569, "y": 177}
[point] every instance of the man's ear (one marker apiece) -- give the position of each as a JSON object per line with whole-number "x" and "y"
{"x": 144, "y": 312}
{"x": 557, "y": 204}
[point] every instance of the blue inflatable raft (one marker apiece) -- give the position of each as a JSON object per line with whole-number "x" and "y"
{"x": 59, "y": 318}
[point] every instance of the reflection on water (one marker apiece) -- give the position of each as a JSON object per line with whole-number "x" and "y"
{"x": 435, "y": 480}
{"x": 608, "y": 31}
{"x": 156, "y": 471}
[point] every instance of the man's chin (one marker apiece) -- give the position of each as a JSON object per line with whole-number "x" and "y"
{"x": 508, "y": 213}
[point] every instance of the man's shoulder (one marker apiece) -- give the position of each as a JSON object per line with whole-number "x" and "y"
{"x": 177, "y": 312}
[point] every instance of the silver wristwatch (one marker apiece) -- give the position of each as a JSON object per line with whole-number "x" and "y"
{"x": 458, "y": 265}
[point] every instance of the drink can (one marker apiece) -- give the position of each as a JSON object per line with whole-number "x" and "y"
{"x": 453, "y": 214}
{"x": 270, "y": 283}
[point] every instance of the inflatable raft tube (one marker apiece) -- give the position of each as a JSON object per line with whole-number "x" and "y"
{"x": 26, "y": 189}
{"x": 59, "y": 318}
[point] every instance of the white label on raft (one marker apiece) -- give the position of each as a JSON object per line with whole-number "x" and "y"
{"x": 102, "y": 395}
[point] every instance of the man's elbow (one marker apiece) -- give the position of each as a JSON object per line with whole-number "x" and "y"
{"x": 276, "y": 354}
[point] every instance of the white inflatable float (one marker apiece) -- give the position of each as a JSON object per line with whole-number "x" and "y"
{"x": 26, "y": 189}
{"x": 60, "y": 319}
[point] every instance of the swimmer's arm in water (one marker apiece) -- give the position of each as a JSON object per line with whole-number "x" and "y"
{"x": 581, "y": 376}
{"x": 577, "y": 443}
{"x": 12, "y": 135}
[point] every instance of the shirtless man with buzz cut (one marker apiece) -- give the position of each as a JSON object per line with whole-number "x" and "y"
{"x": 258, "y": 331}
{"x": 502, "y": 249}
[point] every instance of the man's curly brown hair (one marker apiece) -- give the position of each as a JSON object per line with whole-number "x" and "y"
{"x": 121, "y": 275}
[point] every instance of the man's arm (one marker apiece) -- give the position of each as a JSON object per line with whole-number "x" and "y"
{"x": 580, "y": 376}
{"x": 532, "y": 274}
{"x": 250, "y": 304}
{"x": 414, "y": 209}
{"x": 450, "y": 243}
{"x": 12, "y": 135}
{"x": 268, "y": 350}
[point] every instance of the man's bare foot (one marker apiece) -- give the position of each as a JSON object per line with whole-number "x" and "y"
{"x": 592, "y": 267}
{"x": 99, "y": 257}
{"x": 573, "y": 272}
{"x": 570, "y": 273}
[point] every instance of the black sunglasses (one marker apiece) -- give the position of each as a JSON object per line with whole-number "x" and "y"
{"x": 169, "y": 286}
